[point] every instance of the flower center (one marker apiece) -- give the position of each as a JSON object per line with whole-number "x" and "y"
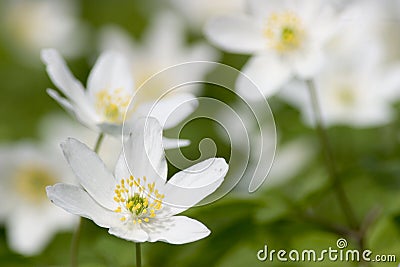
{"x": 31, "y": 181}
{"x": 284, "y": 31}
{"x": 112, "y": 104}
{"x": 346, "y": 96}
{"x": 134, "y": 202}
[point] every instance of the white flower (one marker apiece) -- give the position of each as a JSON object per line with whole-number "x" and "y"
{"x": 355, "y": 90}
{"x": 110, "y": 88}
{"x": 30, "y": 220}
{"x": 163, "y": 45}
{"x": 285, "y": 37}
{"x": 137, "y": 203}
{"x": 257, "y": 152}
{"x": 34, "y": 25}
{"x": 197, "y": 12}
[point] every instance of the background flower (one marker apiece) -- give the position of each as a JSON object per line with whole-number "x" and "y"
{"x": 283, "y": 214}
{"x": 30, "y": 26}
{"x": 148, "y": 57}
{"x": 109, "y": 99}
{"x": 286, "y": 39}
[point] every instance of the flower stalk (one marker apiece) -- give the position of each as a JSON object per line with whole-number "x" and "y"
{"x": 138, "y": 255}
{"x": 329, "y": 158}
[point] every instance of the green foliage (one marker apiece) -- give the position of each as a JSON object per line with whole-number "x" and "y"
{"x": 368, "y": 163}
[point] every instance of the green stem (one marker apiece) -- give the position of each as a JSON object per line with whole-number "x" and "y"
{"x": 138, "y": 255}
{"x": 75, "y": 243}
{"x": 98, "y": 143}
{"x": 329, "y": 159}
{"x": 77, "y": 235}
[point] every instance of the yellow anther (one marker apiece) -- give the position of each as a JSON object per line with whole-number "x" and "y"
{"x": 138, "y": 205}
{"x": 116, "y": 199}
{"x": 130, "y": 184}
{"x": 144, "y": 211}
{"x": 158, "y": 206}
{"x": 122, "y": 181}
{"x": 139, "y": 221}
{"x": 146, "y": 219}
{"x": 123, "y": 219}
{"x": 284, "y": 31}
{"x": 131, "y": 177}
{"x": 144, "y": 178}
{"x": 118, "y": 209}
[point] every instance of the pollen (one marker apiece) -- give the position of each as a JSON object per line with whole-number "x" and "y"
{"x": 112, "y": 104}
{"x": 138, "y": 200}
{"x": 284, "y": 31}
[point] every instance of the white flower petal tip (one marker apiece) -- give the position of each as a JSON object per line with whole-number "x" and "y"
{"x": 47, "y": 55}
{"x": 134, "y": 204}
{"x": 180, "y": 230}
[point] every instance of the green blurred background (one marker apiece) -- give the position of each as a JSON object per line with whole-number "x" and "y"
{"x": 241, "y": 224}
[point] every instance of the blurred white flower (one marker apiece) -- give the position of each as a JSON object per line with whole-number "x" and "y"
{"x": 355, "y": 89}
{"x": 256, "y": 144}
{"x": 197, "y": 12}
{"x": 137, "y": 203}
{"x": 32, "y": 25}
{"x": 285, "y": 37}
{"x": 110, "y": 88}
{"x": 31, "y": 222}
{"x": 27, "y": 168}
{"x": 378, "y": 20}
{"x": 163, "y": 46}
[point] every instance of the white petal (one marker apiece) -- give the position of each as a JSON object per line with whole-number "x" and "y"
{"x": 188, "y": 187}
{"x": 61, "y": 75}
{"x": 170, "y": 110}
{"x": 77, "y": 201}
{"x": 262, "y": 8}
{"x": 130, "y": 232}
{"x": 28, "y": 231}
{"x": 166, "y": 29}
{"x": 308, "y": 63}
{"x": 144, "y": 151}
{"x": 237, "y": 34}
{"x": 83, "y": 115}
{"x": 170, "y": 143}
{"x": 93, "y": 175}
{"x": 61, "y": 100}
{"x": 267, "y": 72}
{"x": 110, "y": 72}
{"x": 391, "y": 83}
{"x": 121, "y": 168}
{"x": 176, "y": 230}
